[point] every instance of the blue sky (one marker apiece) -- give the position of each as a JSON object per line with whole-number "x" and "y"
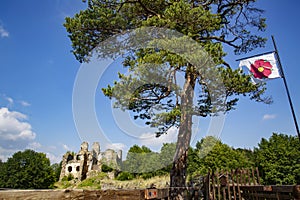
{"x": 38, "y": 72}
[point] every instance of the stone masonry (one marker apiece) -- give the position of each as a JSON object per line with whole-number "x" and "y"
{"x": 85, "y": 162}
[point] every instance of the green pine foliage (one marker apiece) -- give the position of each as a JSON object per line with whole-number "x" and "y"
{"x": 211, "y": 24}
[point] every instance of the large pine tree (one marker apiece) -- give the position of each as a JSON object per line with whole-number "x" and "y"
{"x": 211, "y": 24}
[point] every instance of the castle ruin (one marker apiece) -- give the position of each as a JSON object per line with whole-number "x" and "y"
{"x": 85, "y": 162}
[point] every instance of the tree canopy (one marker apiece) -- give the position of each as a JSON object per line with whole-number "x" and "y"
{"x": 211, "y": 154}
{"x": 211, "y": 22}
{"x": 278, "y": 159}
{"x": 27, "y": 170}
{"x": 143, "y": 162}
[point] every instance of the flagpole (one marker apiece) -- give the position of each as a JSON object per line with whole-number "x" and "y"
{"x": 286, "y": 87}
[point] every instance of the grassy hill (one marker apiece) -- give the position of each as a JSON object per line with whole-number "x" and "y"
{"x": 101, "y": 181}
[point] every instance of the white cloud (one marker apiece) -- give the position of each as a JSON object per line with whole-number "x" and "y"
{"x": 48, "y": 150}
{"x": 149, "y": 139}
{"x": 6, "y": 153}
{"x": 12, "y": 126}
{"x": 3, "y": 32}
{"x": 118, "y": 146}
{"x": 269, "y": 117}
{"x": 66, "y": 147}
{"x": 24, "y": 103}
{"x": 15, "y": 133}
{"x": 54, "y": 158}
{"x": 34, "y": 146}
{"x": 10, "y": 100}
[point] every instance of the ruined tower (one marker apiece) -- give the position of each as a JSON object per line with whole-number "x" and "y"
{"x": 85, "y": 162}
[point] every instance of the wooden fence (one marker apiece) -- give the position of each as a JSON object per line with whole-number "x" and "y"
{"x": 244, "y": 184}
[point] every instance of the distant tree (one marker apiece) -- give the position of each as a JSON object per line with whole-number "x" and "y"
{"x": 194, "y": 162}
{"x": 211, "y": 154}
{"x": 249, "y": 153}
{"x": 278, "y": 159}
{"x": 3, "y": 174}
{"x": 140, "y": 160}
{"x": 27, "y": 170}
{"x": 166, "y": 156}
{"x": 211, "y": 24}
{"x": 144, "y": 163}
{"x": 57, "y": 169}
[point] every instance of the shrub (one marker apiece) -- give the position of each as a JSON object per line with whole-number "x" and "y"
{"x": 106, "y": 168}
{"x": 68, "y": 178}
{"x": 124, "y": 176}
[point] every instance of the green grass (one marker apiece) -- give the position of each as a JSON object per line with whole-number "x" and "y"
{"x": 101, "y": 181}
{"x": 92, "y": 182}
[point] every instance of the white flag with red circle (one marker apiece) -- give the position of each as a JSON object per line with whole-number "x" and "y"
{"x": 262, "y": 67}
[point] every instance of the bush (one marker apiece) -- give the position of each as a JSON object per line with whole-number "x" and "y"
{"x": 106, "y": 168}
{"x": 124, "y": 176}
{"x": 68, "y": 178}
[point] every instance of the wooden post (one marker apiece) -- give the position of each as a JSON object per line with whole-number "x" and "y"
{"x": 222, "y": 187}
{"x": 218, "y": 185}
{"x": 253, "y": 177}
{"x": 296, "y": 192}
{"x": 249, "y": 178}
{"x": 224, "y": 193}
{"x": 245, "y": 177}
{"x": 207, "y": 187}
{"x": 242, "y": 177}
{"x": 258, "y": 178}
{"x": 254, "y": 182}
{"x": 228, "y": 185}
{"x": 238, "y": 185}
{"x": 213, "y": 185}
{"x": 233, "y": 185}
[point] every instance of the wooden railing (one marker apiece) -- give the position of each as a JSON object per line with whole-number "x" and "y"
{"x": 245, "y": 184}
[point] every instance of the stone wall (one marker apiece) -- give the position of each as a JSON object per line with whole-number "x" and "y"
{"x": 72, "y": 194}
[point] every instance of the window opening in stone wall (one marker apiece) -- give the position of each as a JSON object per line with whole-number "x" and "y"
{"x": 69, "y": 168}
{"x": 70, "y": 157}
{"x": 77, "y": 168}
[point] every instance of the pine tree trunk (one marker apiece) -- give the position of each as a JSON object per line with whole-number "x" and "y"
{"x": 179, "y": 169}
